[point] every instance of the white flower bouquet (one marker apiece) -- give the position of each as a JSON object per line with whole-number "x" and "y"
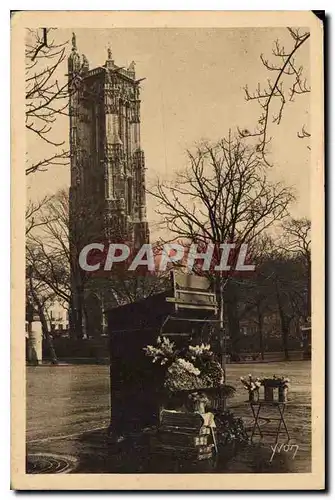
{"x": 192, "y": 367}
{"x": 251, "y": 384}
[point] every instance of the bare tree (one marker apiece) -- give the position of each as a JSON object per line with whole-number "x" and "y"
{"x": 223, "y": 196}
{"x": 54, "y": 242}
{"x": 289, "y": 290}
{"x": 297, "y": 237}
{"x": 46, "y": 98}
{"x": 288, "y": 82}
{"x": 297, "y": 241}
{"x": 256, "y": 293}
{"x": 49, "y": 246}
{"x": 33, "y": 214}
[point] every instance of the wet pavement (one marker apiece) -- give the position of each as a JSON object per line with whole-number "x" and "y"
{"x": 68, "y": 410}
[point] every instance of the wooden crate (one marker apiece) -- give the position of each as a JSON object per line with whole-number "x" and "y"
{"x": 183, "y": 434}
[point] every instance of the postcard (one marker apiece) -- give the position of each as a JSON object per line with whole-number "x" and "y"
{"x": 168, "y": 300}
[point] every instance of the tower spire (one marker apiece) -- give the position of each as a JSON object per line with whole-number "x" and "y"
{"x": 109, "y": 52}
{"x": 74, "y": 42}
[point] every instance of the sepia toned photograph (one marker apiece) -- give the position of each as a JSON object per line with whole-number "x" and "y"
{"x": 169, "y": 192}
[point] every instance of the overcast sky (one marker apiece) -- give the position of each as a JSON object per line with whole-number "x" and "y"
{"x": 193, "y": 91}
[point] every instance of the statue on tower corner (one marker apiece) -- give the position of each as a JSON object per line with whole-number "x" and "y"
{"x": 74, "y": 64}
{"x": 85, "y": 63}
{"x": 110, "y": 61}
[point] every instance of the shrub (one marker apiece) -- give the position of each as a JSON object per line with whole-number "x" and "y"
{"x": 230, "y": 429}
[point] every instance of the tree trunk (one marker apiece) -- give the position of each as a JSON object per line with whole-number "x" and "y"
{"x": 232, "y": 318}
{"x": 260, "y": 331}
{"x": 219, "y": 286}
{"x": 72, "y": 322}
{"x": 49, "y": 339}
{"x": 285, "y": 331}
{"x": 79, "y": 323}
{"x": 85, "y": 322}
{"x": 77, "y": 294}
{"x": 284, "y": 323}
{"x": 233, "y": 324}
{"x": 222, "y": 332}
{"x": 309, "y": 297}
{"x": 77, "y": 312}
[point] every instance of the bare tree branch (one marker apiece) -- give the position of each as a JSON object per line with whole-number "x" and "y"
{"x": 275, "y": 91}
{"x": 46, "y": 99}
{"x": 223, "y": 195}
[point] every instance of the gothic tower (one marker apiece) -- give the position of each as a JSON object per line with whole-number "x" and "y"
{"x": 107, "y": 162}
{"x": 107, "y": 193}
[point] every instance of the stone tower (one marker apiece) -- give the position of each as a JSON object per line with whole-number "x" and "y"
{"x": 107, "y": 193}
{"x": 107, "y": 162}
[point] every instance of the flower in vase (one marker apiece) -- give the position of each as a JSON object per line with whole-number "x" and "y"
{"x": 251, "y": 384}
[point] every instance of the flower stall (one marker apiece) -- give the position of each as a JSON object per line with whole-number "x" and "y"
{"x": 165, "y": 352}
{"x": 191, "y": 374}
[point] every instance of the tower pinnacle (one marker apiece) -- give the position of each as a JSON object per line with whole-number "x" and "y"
{"x": 109, "y": 52}
{"x": 74, "y": 42}
{"x": 131, "y": 69}
{"x": 74, "y": 58}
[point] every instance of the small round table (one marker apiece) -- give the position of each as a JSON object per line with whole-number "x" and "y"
{"x": 256, "y": 408}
